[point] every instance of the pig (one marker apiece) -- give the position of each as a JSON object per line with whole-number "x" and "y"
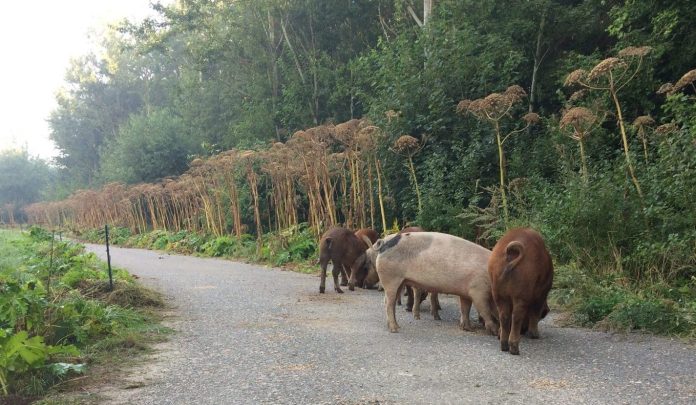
{"x": 521, "y": 273}
{"x": 412, "y": 292}
{"x": 371, "y": 237}
{"x": 346, "y": 251}
{"x": 434, "y": 262}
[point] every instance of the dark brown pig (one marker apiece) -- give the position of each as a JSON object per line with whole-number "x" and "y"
{"x": 371, "y": 237}
{"x": 434, "y": 262}
{"x": 345, "y": 250}
{"x": 521, "y": 275}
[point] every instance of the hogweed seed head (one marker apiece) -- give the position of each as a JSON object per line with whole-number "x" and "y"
{"x": 635, "y": 51}
{"x": 643, "y": 121}
{"x": 688, "y": 78}
{"x": 667, "y": 88}
{"x": 578, "y": 117}
{"x": 606, "y": 66}
{"x": 406, "y": 144}
{"x": 575, "y": 77}
{"x": 531, "y": 118}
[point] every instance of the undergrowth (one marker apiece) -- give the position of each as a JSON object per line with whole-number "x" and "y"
{"x": 58, "y": 315}
{"x": 295, "y": 247}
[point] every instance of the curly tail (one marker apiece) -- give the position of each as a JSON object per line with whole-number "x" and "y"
{"x": 514, "y": 252}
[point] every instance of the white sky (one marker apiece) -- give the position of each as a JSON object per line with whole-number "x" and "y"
{"x": 37, "y": 40}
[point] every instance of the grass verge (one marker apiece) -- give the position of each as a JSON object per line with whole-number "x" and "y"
{"x": 60, "y": 324}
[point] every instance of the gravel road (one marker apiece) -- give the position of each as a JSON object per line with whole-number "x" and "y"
{"x": 248, "y": 334}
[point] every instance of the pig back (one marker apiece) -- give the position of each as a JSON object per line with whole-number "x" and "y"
{"x": 435, "y": 261}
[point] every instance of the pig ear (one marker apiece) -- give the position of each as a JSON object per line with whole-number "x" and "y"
{"x": 367, "y": 241}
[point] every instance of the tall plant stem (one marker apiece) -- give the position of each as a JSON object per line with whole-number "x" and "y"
{"x": 412, "y": 170}
{"x": 501, "y": 163}
{"x": 379, "y": 194}
{"x": 624, "y": 138}
{"x": 583, "y": 161}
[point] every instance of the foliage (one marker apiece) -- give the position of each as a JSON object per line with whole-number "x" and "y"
{"x": 50, "y": 321}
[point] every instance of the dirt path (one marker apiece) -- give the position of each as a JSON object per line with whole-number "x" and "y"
{"x": 248, "y": 334}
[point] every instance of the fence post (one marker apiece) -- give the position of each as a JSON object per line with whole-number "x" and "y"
{"x": 50, "y": 266}
{"x": 108, "y": 258}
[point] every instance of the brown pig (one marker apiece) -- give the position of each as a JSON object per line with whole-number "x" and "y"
{"x": 347, "y": 253}
{"x": 434, "y": 262}
{"x": 521, "y": 275}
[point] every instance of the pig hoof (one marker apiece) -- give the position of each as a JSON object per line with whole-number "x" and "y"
{"x": 344, "y": 283}
{"x": 504, "y": 346}
{"x": 416, "y": 317}
{"x": 533, "y": 335}
{"x": 338, "y": 290}
{"x": 465, "y": 327}
{"x": 514, "y": 348}
{"x": 437, "y": 317}
{"x": 394, "y": 330}
{"x": 351, "y": 287}
{"x": 321, "y": 290}
{"x": 408, "y": 309}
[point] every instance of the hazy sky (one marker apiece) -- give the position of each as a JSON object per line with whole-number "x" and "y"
{"x": 37, "y": 40}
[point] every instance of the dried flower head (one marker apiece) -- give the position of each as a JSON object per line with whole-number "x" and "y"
{"x": 606, "y": 66}
{"x": 196, "y": 162}
{"x": 643, "y": 121}
{"x": 580, "y": 118}
{"x": 531, "y": 118}
{"x": 575, "y": 76}
{"x": 406, "y": 144}
{"x": 635, "y": 51}
{"x": 463, "y": 106}
{"x": 346, "y": 130}
{"x": 578, "y": 95}
{"x": 667, "y": 88}
{"x": 494, "y": 104}
{"x": 515, "y": 92}
{"x": 668, "y": 128}
{"x": 688, "y": 78}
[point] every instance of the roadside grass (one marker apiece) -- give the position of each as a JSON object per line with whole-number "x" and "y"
{"x": 608, "y": 301}
{"x": 295, "y": 248}
{"x": 61, "y": 328}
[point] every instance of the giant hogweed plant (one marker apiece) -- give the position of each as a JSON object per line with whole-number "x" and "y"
{"x": 613, "y": 75}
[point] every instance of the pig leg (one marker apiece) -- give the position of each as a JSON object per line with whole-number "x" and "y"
{"x": 464, "y": 309}
{"x": 519, "y": 310}
{"x": 409, "y": 298}
{"x": 391, "y": 291}
{"x": 535, "y": 314}
{"x": 505, "y": 313}
{"x": 322, "y": 284}
{"x": 434, "y": 306}
{"x": 415, "y": 293}
{"x": 344, "y": 277}
{"x": 533, "y": 329}
{"x": 334, "y": 272}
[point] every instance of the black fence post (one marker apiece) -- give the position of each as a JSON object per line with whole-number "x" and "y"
{"x": 50, "y": 265}
{"x": 108, "y": 258}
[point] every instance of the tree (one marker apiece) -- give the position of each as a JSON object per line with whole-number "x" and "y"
{"x": 23, "y": 180}
{"x": 149, "y": 147}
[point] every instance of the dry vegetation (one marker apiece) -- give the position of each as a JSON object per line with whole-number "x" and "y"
{"x": 334, "y": 167}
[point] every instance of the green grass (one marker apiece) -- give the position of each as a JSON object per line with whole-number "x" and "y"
{"x": 610, "y": 302}
{"x": 58, "y": 319}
